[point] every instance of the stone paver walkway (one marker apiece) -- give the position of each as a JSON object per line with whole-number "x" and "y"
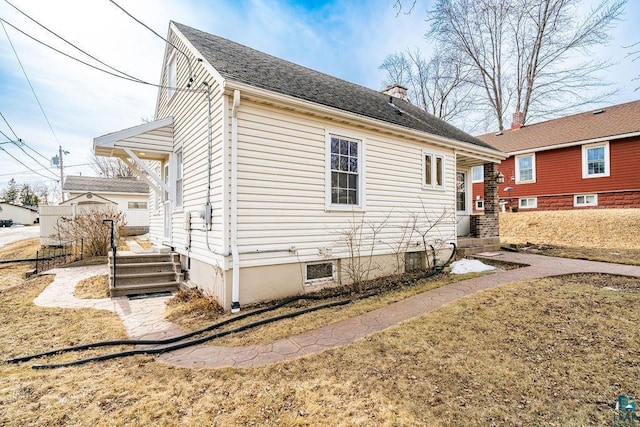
{"x": 144, "y": 318}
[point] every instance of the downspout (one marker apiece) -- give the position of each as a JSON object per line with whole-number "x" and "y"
{"x": 235, "y": 256}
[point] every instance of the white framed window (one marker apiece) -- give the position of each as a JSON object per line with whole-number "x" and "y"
{"x": 479, "y": 204}
{"x": 477, "y": 173}
{"x": 136, "y": 205}
{"x": 318, "y": 272}
{"x": 178, "y": 180}
{"x": 345, "y": 172}
{"x": 528, "y": 203}
{"x": 172, "y": 76}
{"x": 432, "y": 170}
{"x": 525, "y": 168}
{"x": 165, "y": 178}
{"x": 585, "y": 200}
{"x": 595, "y": 160}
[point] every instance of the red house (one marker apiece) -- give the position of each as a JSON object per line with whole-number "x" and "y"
{"x": 587, "y": 160}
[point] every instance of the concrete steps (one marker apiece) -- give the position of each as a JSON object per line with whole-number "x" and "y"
{"x": 473, "y": 245}
{"x": 145, "y": 273}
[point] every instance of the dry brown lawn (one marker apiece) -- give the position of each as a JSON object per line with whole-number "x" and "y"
{"x": 546, "y": 352}
{"x": 94, "y": 287}
{"x": 611, "y": 235}
{"x": 195, "y": 311}
{"x": 12, "y": 274}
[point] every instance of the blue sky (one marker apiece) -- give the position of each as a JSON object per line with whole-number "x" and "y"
{"x": 347, "y": 39}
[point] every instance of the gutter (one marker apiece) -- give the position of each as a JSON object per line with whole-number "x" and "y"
{"x": 235, "y": 256}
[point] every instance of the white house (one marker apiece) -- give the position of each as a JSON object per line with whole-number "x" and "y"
{"x": 26, "y": 215}
{"x": 130, "y": 195}
{"x": 261, "y": 169}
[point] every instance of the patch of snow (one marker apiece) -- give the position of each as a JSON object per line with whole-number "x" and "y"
{"x": 465, "y": 266}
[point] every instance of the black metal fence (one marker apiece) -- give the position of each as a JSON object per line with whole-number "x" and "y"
{"x": 49, "y": 257}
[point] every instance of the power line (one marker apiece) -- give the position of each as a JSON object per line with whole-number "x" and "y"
{"x": 29, "y": 81}
{"x": 16, "y": 144}
{"x": 134, "y": 79}
{"x": 71, "y": 44}
{"x": 35, "y": 170}
{"x": 5, "y": 120}
{"x": 21, "y": 141}
{"x": 162, "y": 38}
{"x": 17, "y": 160}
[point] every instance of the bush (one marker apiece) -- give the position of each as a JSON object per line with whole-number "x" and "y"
{"x": 90, "y": 228}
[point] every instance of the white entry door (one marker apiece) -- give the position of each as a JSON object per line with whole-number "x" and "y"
{"x": 462, "y": 203}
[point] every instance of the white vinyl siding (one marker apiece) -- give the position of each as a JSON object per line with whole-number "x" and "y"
{"x": 595, "y": 160}
{"x": 528, "y": 203}
{"x": 525, "y": 169}
{"x": 190, "y": 139}
{"x": 282, "y": 188}
{"x": 585, "y": 200}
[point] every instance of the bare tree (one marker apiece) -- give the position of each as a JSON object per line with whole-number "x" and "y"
{"x": 547, "y": 33}
{"x": 634, "y": 54}
{"x": 112, "y": 168}
{"x": 438, "y": 85}
{"x": 524, "y": 54}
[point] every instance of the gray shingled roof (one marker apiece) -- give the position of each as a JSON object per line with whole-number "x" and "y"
{"x": 239, "y": 63}
{"x": 104, "y": 185}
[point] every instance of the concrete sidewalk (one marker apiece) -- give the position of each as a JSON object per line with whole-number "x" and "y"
{"x": 144, "y": 318}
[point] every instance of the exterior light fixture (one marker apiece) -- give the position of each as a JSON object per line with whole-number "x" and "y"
{"x": 500, "y": 178}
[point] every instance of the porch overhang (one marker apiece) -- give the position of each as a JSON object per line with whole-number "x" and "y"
{"x": 135, "y": 146}
{"x": 149, "y": 141}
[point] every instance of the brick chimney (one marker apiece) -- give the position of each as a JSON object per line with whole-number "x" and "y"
{"x": 397, "y": 91}
{"x": 518, "y": 120}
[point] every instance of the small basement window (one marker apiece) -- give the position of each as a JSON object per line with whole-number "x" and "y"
{"x": 528, "y": 203}
{"x": 414, "y": 261}
{"x": 585, "y": 200}
{"x": 320, "y": 272}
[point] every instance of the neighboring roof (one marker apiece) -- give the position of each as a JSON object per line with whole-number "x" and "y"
{"x": 89, "y": 196}
{"x": 605, "y": 123}
{"x": 242, "y": 64}
{"x": 29, "y": 208}
{"x": 104, "y": 185}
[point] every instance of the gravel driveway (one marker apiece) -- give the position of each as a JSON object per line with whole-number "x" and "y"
{"x": 17, "y": 233}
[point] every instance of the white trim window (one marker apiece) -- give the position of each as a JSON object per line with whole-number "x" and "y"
{"x": 528, "y": 203}
{"x": 525, "y": 168}
{"x": 345, "y": 172}
{"x": 178, "y": 180}
{"x": 477, "y": 174}
{"x": 479, "y": 204}
{"x": 595, "y": 160}
{"x": 432, "y": 170}
{"x": 585, "y": 200}
{"x": 318, "y": 272}
{"x": 172, "y": 76}
{"x": 136, "y": 205}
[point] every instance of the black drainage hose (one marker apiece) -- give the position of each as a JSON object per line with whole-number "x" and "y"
{"x": 154, "y": 351}
{"x": 201, "y": 340}
{"x": 178, "y": 337}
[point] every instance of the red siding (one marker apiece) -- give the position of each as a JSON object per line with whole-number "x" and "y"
{"x": 559, "y": 173}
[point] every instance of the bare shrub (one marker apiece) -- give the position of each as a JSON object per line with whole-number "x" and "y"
{"x": 89, "y": 228}
{"x": 360, "y": 239}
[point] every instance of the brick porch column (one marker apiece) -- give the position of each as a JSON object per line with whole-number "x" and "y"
{"x": 488, "y": 224}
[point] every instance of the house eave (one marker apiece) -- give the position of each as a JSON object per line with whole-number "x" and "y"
{"x": 264, "y": 96}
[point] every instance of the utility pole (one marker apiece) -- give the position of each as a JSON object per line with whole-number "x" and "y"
{"x": 59, "y": 161}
